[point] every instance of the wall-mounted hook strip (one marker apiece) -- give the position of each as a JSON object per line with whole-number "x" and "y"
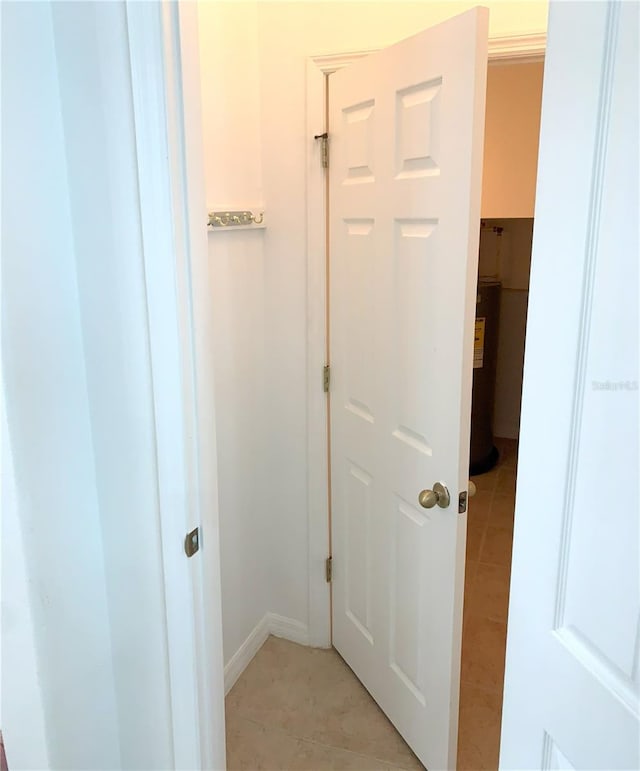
{"x": 223, "y": 219}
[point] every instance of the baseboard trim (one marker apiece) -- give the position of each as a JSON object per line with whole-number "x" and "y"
{"x": 270, "y": 624}
{"x": 241, "y": 658}
{"x": 288, "y": 629}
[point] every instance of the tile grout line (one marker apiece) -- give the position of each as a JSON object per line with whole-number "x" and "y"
{"x": 307, "y": 740}
{"x": 386, "y": 763}
{"x": 483, "y": 687}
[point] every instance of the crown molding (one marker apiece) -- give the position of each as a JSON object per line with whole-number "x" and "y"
{"x": 520, "y": 48}
{"x": 329, "y": 63}
{"x": 529, "y": 47}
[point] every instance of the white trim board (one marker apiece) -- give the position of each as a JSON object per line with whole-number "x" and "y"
{"x": 505, "y": 49}
{"x": 158, "y": 189}
{"x": 163, "y": 50}
{"x": 318, "y": 544}
{"x": 245, "y": 653}
{"x": 270, "y": 624}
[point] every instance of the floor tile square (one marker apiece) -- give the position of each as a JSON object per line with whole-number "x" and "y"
{"x": 479, "y": 729}
{"x": 496, "y": 546}
{"x": 483, "y": 652}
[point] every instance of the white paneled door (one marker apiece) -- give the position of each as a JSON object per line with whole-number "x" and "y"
{"x": 572, "y": 685}
{"x": 406, "y": 127}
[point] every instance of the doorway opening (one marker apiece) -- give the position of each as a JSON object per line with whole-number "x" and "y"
{"x": 481, "y": 700}
{"x": 514, "y": 93}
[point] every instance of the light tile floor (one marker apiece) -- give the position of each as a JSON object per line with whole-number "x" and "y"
{"x": 303, "y": 708}
{"x": 486, "y": 599}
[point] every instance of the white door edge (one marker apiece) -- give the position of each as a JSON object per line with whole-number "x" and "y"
{"x": 503, "y": 49}
{"x": 166, "y": 83}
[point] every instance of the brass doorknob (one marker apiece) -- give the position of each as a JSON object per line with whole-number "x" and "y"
{"x": 472, "y": 488}
{"x": 439, "y": 495}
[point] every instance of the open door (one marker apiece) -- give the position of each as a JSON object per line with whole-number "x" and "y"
{"x": 572, "y": 685}
{"x": 406, "y": 127}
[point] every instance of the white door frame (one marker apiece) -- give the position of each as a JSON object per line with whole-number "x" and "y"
{"x": 165, "y": 73}
{"x": 506, "y": 49}
{"x": 166, "y": 81}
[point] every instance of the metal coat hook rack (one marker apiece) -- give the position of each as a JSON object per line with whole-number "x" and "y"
{"x": 224, "y": 219}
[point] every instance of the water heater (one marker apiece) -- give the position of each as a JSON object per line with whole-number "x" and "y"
{"x": 484, "y": 453}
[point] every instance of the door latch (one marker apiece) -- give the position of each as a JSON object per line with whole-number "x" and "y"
{"x": 192, "y": 542}
{"x": 464, "y": 497}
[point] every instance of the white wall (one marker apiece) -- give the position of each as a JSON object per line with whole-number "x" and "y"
{"x": 262, "y": 278}
{"x": 231, "y": 119}
{"x": 21, "y": 706}
{"x": 231, "y": 109}
{"x": 237, "y": 270}
{"x": 95, "y": 87}
{"x": 48, "y": 408}
{"x": 76, "y": 370}
{"x": 512, "y": 128}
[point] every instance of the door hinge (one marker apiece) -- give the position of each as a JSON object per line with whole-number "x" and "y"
{"x": 324, "y": 138}
{"x": 328, "y": 569}
{"x": 326, "y": 378}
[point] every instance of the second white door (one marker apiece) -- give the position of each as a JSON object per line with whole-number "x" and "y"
{"x": 406, "y": 127}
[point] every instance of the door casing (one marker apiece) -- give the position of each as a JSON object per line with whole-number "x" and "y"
{"x": 165, "y": 70}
